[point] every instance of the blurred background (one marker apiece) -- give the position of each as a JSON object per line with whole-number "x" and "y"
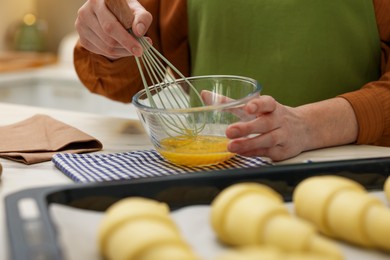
{"x": 59, "y": 16}
{"x": 36, "y": 58}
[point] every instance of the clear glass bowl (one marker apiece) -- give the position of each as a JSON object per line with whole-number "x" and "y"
{"x": 186, "y": 131}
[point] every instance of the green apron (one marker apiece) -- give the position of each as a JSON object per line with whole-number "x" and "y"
{"x": 300, "y": 51}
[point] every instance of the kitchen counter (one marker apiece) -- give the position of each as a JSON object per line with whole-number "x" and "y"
{"x": 55, "y": 86}
{"x": 117, "y": 135}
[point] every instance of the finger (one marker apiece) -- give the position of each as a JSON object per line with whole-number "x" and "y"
{"x": 111, "y": 53}
{"x": 211, "y": 98}
{"x": 272, "y": 145}
{"x": 142, "y": 18}
{"x": 110, "y": 30}
{"x": 91, "y": 41}
{"x": 261, "y": 105}
{"x": 276, "y": 153}
{"x": 263, "y": 141}
{"x": 260, "y": 125}
{"x": 92, "y": 36}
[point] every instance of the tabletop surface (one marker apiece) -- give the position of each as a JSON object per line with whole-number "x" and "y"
{"x": 117, "y": 135}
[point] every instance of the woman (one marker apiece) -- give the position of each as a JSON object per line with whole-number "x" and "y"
{"x": 327, "y": 62}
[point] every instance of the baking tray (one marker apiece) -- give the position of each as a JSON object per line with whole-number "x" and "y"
{"x": 33, "y": 236}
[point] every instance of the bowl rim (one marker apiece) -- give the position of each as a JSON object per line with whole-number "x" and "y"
{"x": 234, "y": 103}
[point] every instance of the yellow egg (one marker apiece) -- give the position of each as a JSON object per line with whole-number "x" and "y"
{"x": 195, "y": 150}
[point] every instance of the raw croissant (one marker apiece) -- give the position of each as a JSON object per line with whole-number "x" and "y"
{"x": 342, "y": 208}
{"x": 254, "y": 214}
{"x": 141, "y": 229}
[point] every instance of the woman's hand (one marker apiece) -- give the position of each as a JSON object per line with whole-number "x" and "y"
{"x": 281, "y": 132}
{"x": 277, "y": 132}
{"x": 101, "y": 32}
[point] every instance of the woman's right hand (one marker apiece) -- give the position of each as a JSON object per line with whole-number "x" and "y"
{"x": 101, "y": 32}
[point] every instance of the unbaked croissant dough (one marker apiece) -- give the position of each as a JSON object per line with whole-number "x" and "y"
{"x": 141, "y": 229}
{"x": 342, "y": 208}
{"x": 254, "y": 214}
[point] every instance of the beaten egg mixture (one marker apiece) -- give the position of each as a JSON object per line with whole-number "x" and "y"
{"x": 200, "y": 150}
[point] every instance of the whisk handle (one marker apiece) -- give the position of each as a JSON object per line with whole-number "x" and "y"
{"x": 122, "y": 12}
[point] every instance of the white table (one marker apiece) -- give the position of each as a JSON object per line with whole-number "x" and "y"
{"x": 117, "y": 135}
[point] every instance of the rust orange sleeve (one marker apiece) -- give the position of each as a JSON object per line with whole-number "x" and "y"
{"x": 372, "y": 102}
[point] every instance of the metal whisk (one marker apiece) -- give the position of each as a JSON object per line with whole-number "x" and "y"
{"x": 164, "y": 92}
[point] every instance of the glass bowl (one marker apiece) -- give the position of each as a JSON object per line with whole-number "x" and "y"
{"x": 186, "y": 121}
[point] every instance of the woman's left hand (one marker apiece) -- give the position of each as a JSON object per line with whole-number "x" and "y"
{"x": 277, "y": 132}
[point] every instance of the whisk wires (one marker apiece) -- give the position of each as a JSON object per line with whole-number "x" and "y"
{"x": 166, "y": 92}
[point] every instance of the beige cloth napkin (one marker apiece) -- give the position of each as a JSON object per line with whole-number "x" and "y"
{"x": 38, "y": 138}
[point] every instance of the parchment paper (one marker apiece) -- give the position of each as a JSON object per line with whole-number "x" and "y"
{"x": 78, "y": 233}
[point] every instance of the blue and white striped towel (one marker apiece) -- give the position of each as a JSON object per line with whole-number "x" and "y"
{"x": 137, "y": 164}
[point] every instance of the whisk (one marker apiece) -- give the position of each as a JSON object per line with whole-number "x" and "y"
{"x": 164, "y": 92}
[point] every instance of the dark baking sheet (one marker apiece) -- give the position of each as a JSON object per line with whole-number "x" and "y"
{"x": 34, "y": 236}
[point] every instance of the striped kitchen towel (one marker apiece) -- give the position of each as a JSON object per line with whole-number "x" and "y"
{"x": 84, "y": 168}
